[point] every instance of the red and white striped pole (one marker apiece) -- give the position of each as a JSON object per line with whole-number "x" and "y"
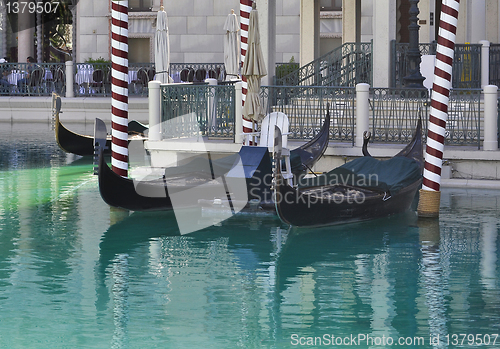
{"x": 245, "y": 8}
{"x": 119, "y": 87}
{"x": 430, "y": 192}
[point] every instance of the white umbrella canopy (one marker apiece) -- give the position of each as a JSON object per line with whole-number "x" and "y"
{"x": 254, "y": 68}
{"x": 231, "y": 46}
{"x": 162, "y": 47}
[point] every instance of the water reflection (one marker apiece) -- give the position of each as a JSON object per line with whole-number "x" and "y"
{"x": 28, "y": 145}
{"x": 393, "y": 277}
{"x": 110, "y": 279}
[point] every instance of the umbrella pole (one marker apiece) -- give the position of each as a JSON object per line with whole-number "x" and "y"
{"x": 253, "y": 133}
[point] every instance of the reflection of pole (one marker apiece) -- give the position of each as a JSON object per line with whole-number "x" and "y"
{"x": 430, "y": 193}
{"x": 119, "y": 87}
{"x": 432, "y": 277}
{"x": 120, "y": 300}
{"x": 381, "y": 294}
{"x": 489, "y": 235}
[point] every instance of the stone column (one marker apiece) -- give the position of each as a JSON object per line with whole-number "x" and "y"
{"x": 69, "y": 79}
{"x": 267, "y": 23}
{"x": 490, "y": 117}
{"x": 362, "y": 112}
{"x": 154, "y": 95}
{"x": 309, "y": 31}
{"x": 384, "y": 30}
{"x": 238, "y": 114}
{"x": 476, "y": 20}
{"x": 26, "y": 31}
{"x": 348, "y": 21}
{"x": 485, "y": 62}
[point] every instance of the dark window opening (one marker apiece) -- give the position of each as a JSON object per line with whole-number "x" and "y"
{"x": 140, "y": 5}
{"x": 330, "y": 5}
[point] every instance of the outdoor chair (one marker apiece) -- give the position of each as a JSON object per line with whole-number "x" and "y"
{"x": 107, "y": 82}
{"x": 212, "y": 74}
{"x": 141, "y": 82}
{"x": 266, "y": 139}
{"x": 151, "y": 74}
{"x": 58, "y": 80}
{"x": 49, "y": 79}
{"x": 36, "y": 81}
{"x": 97, "y": 82}
{"x": 200, "y": 75}
{"x": 187, "y": 75}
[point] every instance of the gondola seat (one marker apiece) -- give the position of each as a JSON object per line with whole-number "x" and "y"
{"x": 266, "y": 139}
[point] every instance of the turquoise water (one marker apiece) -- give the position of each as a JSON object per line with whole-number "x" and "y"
{"x": 75, "y": 274}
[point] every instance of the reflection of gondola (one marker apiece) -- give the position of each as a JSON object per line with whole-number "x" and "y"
{"x": 247, "y": 237}
{"x": 256, "y": 163}
{"x": 306, "y": 247}
{"x": 78, "y": 144}
{"x": 362, "y": 189}
{"x": 122, "y": 237}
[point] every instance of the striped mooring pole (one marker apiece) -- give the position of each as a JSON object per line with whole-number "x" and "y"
{"x": 430, "y": 194}
{"x": 245, "y": 8}
{"x": 119, "y": 87}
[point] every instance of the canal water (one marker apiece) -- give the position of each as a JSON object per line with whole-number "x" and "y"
{"x": 75, "y": 274}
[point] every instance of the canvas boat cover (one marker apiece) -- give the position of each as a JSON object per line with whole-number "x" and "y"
{"x": 369, "y": 173}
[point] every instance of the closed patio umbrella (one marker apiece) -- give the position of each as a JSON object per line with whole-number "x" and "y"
{"x": 254, "y": 68}
{"x": 162, "y": 47}
{"x": 231, "y": 46}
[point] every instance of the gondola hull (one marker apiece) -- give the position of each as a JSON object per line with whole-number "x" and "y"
{"x": 122, "y": 192}
{"x": 322, "y": 201}
{"x": 309, "y": 210}
{"x": 83, "y": 145}
{"x": 75, "y": 143}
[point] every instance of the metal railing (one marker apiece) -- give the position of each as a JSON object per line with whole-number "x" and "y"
{"x": 394, "y": 114}
{"x": 306, "y": 106}
{"x": 197, "y": 72}
{"x": 467, "y": 66}
{"x": 347, "y": 65}
{"x": 498, "y": 121}
{"x": 206, "y": 110}
{"x": 392, "y": 118}
{"x": 463, "y": 126}
{"x": 94, "y": 79}
{"x": 494, "y": 64}
{"x": 466, "y": 63}
{"x": 32, "y": 79}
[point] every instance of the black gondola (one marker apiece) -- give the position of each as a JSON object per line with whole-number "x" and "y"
{"x": 149, "y": 195}
{"x": 83, "y": 145}
{"x": 363, "y": 189}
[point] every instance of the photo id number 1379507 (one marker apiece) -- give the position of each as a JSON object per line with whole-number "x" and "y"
{"x": 31, "y": 7}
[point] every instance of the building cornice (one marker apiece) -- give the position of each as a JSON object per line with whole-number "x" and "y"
{"x": 139, "y": 15}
